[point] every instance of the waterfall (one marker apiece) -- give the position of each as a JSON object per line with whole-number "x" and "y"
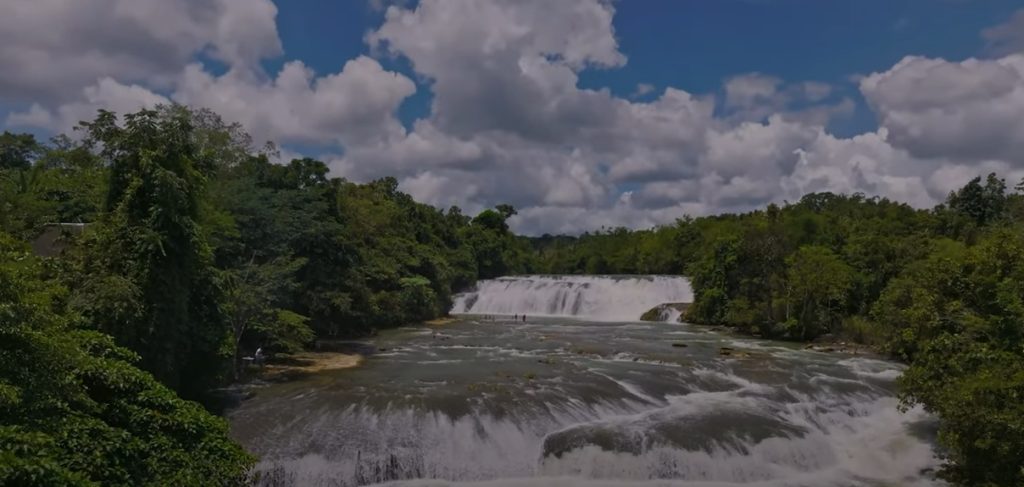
{"x": 602, "y": 298}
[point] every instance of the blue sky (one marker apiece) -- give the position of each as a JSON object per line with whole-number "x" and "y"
{"x": 697, "y": 44}
{"x": 582, "y": 113}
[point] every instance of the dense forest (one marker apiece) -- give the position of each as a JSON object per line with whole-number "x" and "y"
{"x": 196, "y": 250}
{"x": 186, "y": 248}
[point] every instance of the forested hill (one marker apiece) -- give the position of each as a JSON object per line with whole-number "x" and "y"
{"x": 196, "y": 250}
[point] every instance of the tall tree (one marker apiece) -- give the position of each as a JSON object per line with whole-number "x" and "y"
{"x": 18, "y": 151}
{"x": 148, "y": 278}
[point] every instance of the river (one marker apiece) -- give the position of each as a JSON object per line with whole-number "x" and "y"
{"x": 573, "y": 400}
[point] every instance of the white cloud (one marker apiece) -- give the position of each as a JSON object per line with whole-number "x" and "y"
{"x": 107, "y": 94}
{"x": 970, "y": 111}
{"x": 510, "y": 123}
{"x": 508, "y": 120}
{"x": 750, "y": 90}
{"x": 753, "y": 97}
{"x": 354, "y": 106}
{"x": 1008, "y": 37}
{"x": 50, "y": 49}
{"x": 642, "y": 89}
{"x": 506, "y": 65}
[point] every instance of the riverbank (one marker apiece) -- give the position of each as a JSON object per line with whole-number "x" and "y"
{"x": 444, "y": 320}
{"x": 824, "y": 343}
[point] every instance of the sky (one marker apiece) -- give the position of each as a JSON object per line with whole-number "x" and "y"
{"x": 581, "y": 113}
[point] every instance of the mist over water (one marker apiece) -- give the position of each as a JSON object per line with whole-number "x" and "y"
{"x": 602, "y": 298}
{"x": 561, "y": 401}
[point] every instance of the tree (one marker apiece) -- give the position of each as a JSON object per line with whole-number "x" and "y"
{"x": 18, "y": 151}
{"x": 150, "y": 244}
{"x": 982, "y": 204}
{"x": 492, "y": 220}
{"x": 507, "y": 211}
{"x": 969, "y": 367}
{"x": 75, "y": 411}
{"x": 255, "y": 298}
{"x": 817, "y": 283}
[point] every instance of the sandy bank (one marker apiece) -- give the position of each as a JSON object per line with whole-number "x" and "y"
{"x": 440, "y": 321}
{"x": 284, "y": 367}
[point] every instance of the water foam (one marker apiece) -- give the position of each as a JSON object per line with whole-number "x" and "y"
{"x": 821, "y": 439}
{"x": 601, "y": 298}
{"x": 566, "y": 402}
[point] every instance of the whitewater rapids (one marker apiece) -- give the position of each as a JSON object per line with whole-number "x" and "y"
{"x": 590, "y": 397}
{"x": 602, "y": 298}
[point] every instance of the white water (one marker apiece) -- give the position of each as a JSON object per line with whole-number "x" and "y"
{"x": 863, "y": 443}
{"x": 602, "y": 401}
{"x": 601, "y": 298}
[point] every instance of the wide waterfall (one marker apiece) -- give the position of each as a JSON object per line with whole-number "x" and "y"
{"x": 600, "y": 298}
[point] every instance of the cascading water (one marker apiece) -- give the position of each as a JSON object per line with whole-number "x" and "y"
{"x": 600, "y": 298}
{"x": 557, "y": 401}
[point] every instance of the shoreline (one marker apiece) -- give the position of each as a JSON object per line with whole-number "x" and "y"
{"x": 820, "y": 344}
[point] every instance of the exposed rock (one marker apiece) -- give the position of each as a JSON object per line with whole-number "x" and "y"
{"x": 679, "y": 345}
{"x": 666, "y": 312}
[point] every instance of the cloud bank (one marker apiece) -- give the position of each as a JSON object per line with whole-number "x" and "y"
{"x": 508, "y": 120}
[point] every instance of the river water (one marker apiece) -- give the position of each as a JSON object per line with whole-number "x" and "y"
{"x": 498, "y": 401}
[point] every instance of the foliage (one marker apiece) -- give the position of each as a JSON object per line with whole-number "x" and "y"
{"x": 817, "y": 285}
{"x": 61, "y": 182}
{"x": 74, "y": 411}
{"x": 149, "y": 242}
{"x": 18, "y": 151}
{"x": 969, "y": 368}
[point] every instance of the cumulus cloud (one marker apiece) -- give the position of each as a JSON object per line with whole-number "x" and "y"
{"x": 506, "y": 65}
{"x": 107, "y": 93}
{"x": 51, "y": 49}
{"x": 970, "y": 111}
{"x": 509, "y": 122}
{"x": 505, "y": 81}
{"x": 642, "y": 89}
{"x": 756, "y": 96}
{"x": 751, "y": 90}
{"x": 355, "y": 105}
